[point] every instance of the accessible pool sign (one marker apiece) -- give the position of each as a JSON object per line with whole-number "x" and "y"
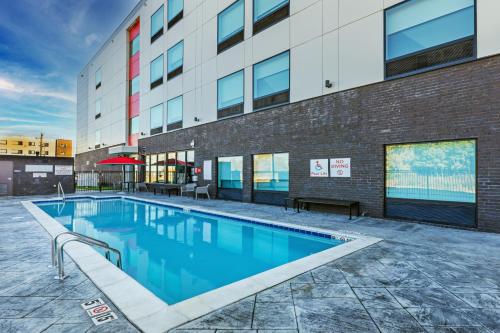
{"x": 340, "y": 167}
{"x": 319, "y": 168}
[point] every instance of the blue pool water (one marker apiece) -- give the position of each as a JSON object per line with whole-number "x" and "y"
{"x": 178, "y": 254}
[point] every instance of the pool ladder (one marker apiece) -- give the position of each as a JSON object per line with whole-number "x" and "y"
{"x": 58, "y": 251}
{"x": 60, "y": 192}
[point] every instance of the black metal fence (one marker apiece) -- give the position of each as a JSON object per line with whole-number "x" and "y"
{"x": 103, "y": 181}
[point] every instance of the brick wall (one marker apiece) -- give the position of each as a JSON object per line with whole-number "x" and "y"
{"x": 86, "y": 161}
{"x": 456, "y": 102}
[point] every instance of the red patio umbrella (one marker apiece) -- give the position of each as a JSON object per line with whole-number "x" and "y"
{"x": 123, "y": 161}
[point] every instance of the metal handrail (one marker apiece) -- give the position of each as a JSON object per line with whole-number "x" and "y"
{"x": 95, "y": 242}
{"x": 60, "y": 255}
{"x": 60, "y": 191}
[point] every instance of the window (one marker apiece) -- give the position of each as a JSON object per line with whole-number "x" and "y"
{"x": 19, "y": 143}
{"x": 422, "y": 34}
{"x": 98, "y": 109}
{"x": 3, "y": 142}
{"x": 174, "y": 113}
{"x": 271, "y": 81}
{"x": 156, "y": 119}
{"x": 268, "y": 12}
{"x": 175, "y": 60}
{"x": 230, "y": 172}
{"x": 135, "y": 45}
{"x": 162, "y": 161}
{"x": 17, "y": 152}
{"x": 134, "y": 125}
{"x": 98, "y": 78}
{"x": 134, "y": 86}
{"x": 174, "y": 12}
{"x": 231, "y": 23}
{"x": 32, "y": 144}
{"x": 432, "y": 181}
{"x": 154, "y": 168}
{"x": 270, "y": 172}
{"x": 97, "y": 139}
{"x": 157, "y": 24}
{"x": 156, "y": 72}
{"x": 3, "y": 151}
{"x": 230, "y": 95}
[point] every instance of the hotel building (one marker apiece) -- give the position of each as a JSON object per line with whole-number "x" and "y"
{"x": 395, "y": 104}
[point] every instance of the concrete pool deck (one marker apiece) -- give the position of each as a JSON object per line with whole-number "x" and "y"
{"x": 421, "y": 278}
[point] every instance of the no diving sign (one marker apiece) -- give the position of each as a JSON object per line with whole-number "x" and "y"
{"x": 99, "y": 311}
{"x": 340, "y": 167}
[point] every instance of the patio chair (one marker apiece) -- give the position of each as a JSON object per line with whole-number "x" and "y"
{"x": 140, "y": 187}
{"x": 188, "y": 188}
{"x": 202, "y": 190}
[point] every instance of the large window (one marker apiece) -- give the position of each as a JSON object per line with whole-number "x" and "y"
{"x": 156, "y": 119}
{"x": 98, "y": 78}
{"x": 174, "y": 113}
{"x": 98, "y": 109}
{"x": 156, "y": 72}
{"x": 97, "y": 138}
{"x": 134, "y": 86}
{"x": 270, "y": 172}
{"x": 175, "y": 60}
{"x": 271, "y": 81}
{"x": 175, "y": 11}
{"x": 172, "y": 168}
{"x": 439, "y": 171}
{"x": 231, "y": 23}
{"x": 230, "y": 172}
{"x": 134, "y": 125}
{"x": 230, "y": 91}
{"x": 269, "y": 12}
{"x": 428, "y": 33}
{"x": 157, "y": 24}
{"x": 135, "y": 45}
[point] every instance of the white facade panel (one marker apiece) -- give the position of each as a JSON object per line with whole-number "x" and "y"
{"x": 306, "y": 24}
{"x": 306, "y": 70}
{"x": 353, "y": 10}
{"x": 361, "y": 52}
{"x": 488, "y": 27}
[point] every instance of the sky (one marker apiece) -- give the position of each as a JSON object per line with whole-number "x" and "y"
{"x": 44, "y": 44}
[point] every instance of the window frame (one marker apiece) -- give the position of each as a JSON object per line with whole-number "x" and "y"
{"x": 430, "y": 68}
{"x": 98, "y": 84}
{"x": 159, "y": 129}
{"x": 242, "y": 173}
{"x": 275, "y": 17}
{"x": 277, "y": 93}
{"x": 178, "y": 70}
{"x": 235, "y": 109}
{"x": 131, "y": 85}
{"x": 159, "y": 81}
{"x": 253, "y": 172}
{"x": 98, "y": 115}
{"x": 178, "y": 124}
{"x": 236, "y": 37}
{"x": 173, "y": 21}
{"x": 159, "y": 33}
{"x": 138, "y": 38}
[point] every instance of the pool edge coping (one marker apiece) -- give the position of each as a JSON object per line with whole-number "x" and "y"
{"x": 151, "y": 314}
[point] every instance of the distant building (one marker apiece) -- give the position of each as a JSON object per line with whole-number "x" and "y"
{"x": 29, "y": 146}
{"x": 64, "y": 148}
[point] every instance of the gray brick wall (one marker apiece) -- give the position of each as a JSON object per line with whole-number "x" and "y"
{"x": 456, "y": 102}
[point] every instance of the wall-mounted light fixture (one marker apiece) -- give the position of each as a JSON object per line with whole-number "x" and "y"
{"x": 143, "y": 134}
{"x": 328, "y": 84}
{"x": 192, "y": 144}
{"x": 196, "y": 119}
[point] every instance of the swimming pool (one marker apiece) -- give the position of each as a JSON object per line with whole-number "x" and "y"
{"x": 178, "y": 253}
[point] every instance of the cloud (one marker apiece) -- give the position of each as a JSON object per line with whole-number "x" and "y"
{"x": 91, "y": 39}
{"x": 33, "y": 90}
{"x": 21, "y": 120}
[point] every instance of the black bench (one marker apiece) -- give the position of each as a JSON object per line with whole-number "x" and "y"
{"x": 328, "y": 202}
{"x": 164, "y": 188}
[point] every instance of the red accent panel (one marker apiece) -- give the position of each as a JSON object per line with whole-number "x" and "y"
{"x": 133, "y": 140}
{"x": 133, "y": 106}
{"x": 134, "y": 66}
{"x": 134, "y": 31}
